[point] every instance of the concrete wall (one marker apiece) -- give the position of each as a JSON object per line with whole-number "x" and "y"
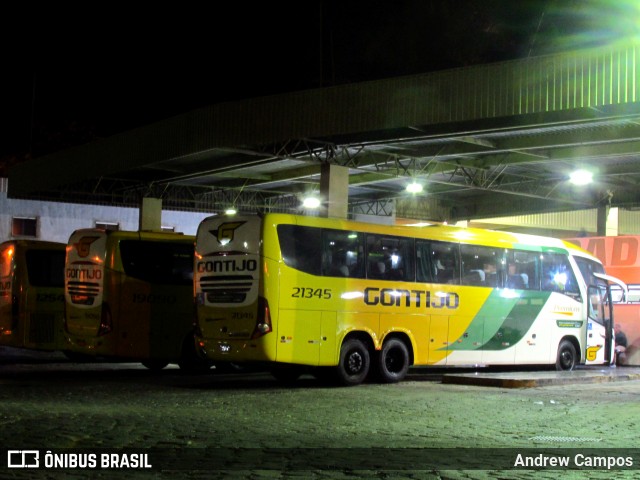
{"x": 56, "y": 221}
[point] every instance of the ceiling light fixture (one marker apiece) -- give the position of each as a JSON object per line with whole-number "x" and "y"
{"x": 414, "y": 187}
{"x": 311, "y": 202}
{"x": 581, "y": 177}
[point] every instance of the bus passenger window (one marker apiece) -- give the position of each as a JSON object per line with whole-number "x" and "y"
{"x": 480, "y": 265}
{"x": 523, "y": 270}
{"x": 445, "y": 262}
{"x": 342, "y": 253}
{"x": 301, "y": 247}
{"x": 390, "y": 258}
{"x": 558, "y": 276}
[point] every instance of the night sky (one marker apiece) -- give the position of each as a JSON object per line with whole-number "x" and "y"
{"x": 88, "y": 75}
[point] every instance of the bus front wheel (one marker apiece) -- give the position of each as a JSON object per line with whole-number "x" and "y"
{"x": 393, "y": 361}
{"x": 354, "y": 362}
{"x": 566, "y": 359}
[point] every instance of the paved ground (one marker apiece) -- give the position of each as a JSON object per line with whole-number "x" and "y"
{"x": 249, "y": 426}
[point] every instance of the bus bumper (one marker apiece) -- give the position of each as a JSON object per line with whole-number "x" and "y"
{"x": 234, "y": 350}
{"x": 94, "y": 346}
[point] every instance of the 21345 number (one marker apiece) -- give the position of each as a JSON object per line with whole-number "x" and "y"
{"x": 302, "y": 292}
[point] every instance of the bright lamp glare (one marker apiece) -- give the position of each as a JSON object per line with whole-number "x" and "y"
{"x": 230, "y": 211}
{"x": 581, "y": 177}
{"x": 414, "y": 188}
{"x": 311, "y": 202}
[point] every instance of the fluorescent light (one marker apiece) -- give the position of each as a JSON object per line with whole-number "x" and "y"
{"x": 231, "y": 211}
{"x": 414, "y": 188}
{"x": 311, "y": 202}
{"x": 581, "y": 177}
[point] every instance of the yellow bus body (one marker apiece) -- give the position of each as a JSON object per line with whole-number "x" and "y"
{"x": 129, "y": 295}
{"x": 311, "y": 313}
{"x": 32, "y": 294}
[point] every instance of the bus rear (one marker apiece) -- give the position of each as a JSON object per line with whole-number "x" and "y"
{"x": 130, "y": 296}
{"x": 87, "y": 315}
{"x": 31, "y": 294}
{"x": 232, "y": 316}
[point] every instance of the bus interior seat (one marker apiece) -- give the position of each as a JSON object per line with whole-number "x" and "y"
{"x": 377, "y": 269}
{"x": 516, "y": 282}
{"x": 474, "y": 277}
{"x": 444, "y": 276}
{"x": 491, "y": 280}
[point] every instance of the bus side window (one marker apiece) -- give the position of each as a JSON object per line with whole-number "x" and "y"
{"x": 390, "y": 258}
{"x": 342, "y": 254}
{"x": 424, "y": 271}
{"x": 558, "y": 276}
{"x": 445, "y": 261}
{"x": 301, "y": 247}
{"x": 523, "y": 270}
{"x": 481, "y": 266}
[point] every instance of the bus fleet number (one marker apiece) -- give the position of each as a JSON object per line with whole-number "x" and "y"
{"x": 301, "y": 292}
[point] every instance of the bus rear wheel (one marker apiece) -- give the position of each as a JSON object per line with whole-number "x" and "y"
{"x": 393, "y": 361}
{"x": 567, "y": 358}
{"x": 354, "y": 363}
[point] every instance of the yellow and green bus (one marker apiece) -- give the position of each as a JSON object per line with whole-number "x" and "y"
{"x": 361, "y": 299}
{"x": 129, "y": 296}
{"x": 32, "y": 294}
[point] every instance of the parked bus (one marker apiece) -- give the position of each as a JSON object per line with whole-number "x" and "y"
{"x": 129, "y": 296}
{"x": 32, "y": 294}
{"x": 361, "y": 298}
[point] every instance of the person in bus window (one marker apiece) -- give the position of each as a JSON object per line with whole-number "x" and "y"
{"x": 514, "y": 279}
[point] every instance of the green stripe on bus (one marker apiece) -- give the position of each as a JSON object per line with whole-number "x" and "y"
{"x": 519, "y": 321}
{"x": 501, "y": 321}
{"x": 539, "y": 248}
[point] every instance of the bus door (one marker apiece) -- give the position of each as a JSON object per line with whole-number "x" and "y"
{"x": 599, "y": 342}
{"x": 599, "y": 325}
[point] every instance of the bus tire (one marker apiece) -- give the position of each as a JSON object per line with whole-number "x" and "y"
{"x": 354, "y": 363}
{"x": 155, "y": 365}
{"x": 393, "y": 361}
{"x": 567, "y": 358}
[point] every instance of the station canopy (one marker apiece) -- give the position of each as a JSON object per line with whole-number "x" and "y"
{"x": 483, "y": 141}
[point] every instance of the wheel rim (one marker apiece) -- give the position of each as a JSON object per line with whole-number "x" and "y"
{"x": 393, "y": 360}
{"x": 566, "y": 360}
{"x": 355, "y": 363}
